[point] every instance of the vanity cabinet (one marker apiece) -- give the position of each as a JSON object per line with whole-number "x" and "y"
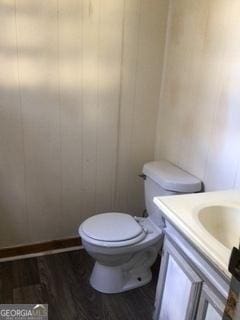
{"x": 210, "y": 306}
{"x": 183, "y": 292}
{"x": 178, "y": 286}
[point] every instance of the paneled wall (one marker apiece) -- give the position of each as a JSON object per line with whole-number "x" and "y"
{"x": 199, "y": 115}
{"x": 79, "y": 90}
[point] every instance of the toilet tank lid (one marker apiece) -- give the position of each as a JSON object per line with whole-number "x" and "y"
{"x": 171, "y": 177}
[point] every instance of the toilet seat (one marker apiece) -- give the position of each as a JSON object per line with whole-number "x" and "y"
{"x": 112, "y": 229}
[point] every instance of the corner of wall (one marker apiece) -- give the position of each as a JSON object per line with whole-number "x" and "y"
{"x": 157, "y": 152}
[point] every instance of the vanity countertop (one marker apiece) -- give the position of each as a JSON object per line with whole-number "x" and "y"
{"x": 183, "y": 212}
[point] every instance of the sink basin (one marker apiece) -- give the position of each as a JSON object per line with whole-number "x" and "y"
{"x": 223, "y": 223}
{"x": 210, "y": 221}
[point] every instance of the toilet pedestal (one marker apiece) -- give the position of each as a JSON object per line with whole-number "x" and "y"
{"x": 114, "y": 279}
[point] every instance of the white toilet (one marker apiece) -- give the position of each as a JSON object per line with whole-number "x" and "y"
{"x": 125, "y": 247}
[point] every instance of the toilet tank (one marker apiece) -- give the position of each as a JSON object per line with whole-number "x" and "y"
{"x": 162, "y": 178}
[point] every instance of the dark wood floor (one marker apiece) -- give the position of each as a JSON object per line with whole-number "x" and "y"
{"x": 61, "y": 280}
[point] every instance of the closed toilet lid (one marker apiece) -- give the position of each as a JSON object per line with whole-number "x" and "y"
{"x": 112, "y": 227}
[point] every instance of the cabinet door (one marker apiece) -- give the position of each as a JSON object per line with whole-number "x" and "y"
{"x": 178, "y": 288}
{"x": 211, "y": 307}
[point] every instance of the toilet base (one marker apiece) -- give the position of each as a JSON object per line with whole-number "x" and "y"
{"x": 115, "y": 279}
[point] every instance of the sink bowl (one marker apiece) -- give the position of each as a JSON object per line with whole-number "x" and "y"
{"x": 223, "y": 223}
{"x": 209, "y": 220}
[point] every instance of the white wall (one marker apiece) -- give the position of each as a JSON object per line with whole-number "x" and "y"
{"x": 79, "y": 90}
{"x": 199, "y": 114}
{"x": 79, "y": 99}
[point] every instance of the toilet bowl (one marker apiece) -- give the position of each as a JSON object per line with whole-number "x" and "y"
{"x": 125, "y": 247}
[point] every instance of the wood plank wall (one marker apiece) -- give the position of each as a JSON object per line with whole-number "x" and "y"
{"x": 199, "y": 114}
{"x": 79, "y": 90}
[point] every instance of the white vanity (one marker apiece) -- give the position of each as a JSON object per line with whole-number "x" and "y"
{"x": 200, "y": 231}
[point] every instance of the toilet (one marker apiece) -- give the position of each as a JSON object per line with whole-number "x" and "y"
{"x": 125, "y": 247}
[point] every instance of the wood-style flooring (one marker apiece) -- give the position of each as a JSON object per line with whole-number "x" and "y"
{"x": 61, "y": 280}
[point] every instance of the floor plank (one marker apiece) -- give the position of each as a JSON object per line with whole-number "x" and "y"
{"x": 62, "y": 281}
{"x": 29, "y": 294}
{"x": 6, "y": 284}
{"x": 25, "y": 272}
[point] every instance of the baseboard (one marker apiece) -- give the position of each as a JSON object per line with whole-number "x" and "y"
{"x": 36, "y": 248}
